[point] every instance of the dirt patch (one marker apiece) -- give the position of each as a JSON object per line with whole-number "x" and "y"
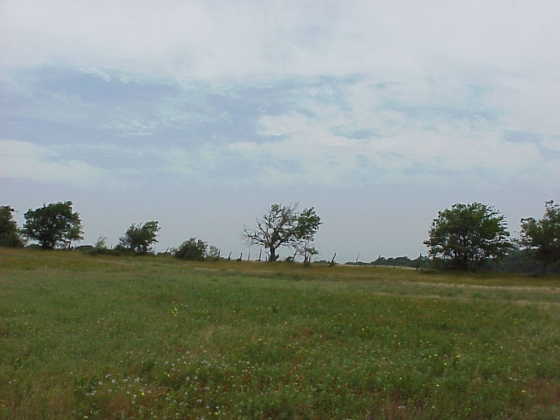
{"x": 482, "y": 287}
{"x": 468, "y": 299}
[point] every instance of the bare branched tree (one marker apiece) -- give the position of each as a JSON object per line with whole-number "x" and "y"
{"x": 306, "y": 250}
{"x": 283, "y": 226}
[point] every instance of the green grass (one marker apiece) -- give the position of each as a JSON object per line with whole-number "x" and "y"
{"x": 153, "y": 337}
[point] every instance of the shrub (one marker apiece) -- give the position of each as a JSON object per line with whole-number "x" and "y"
{"x": 193, "y": 249}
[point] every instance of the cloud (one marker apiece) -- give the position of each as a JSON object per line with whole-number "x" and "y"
{"x": 286, "y": 92}
{"x": 218, "y": 39}
{"x": 413, "y": 139}
{"x": 311, "y": 131}
{"x": 24, "y": 160}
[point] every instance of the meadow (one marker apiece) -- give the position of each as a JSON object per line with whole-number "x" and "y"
{"x": 103, "y": 337}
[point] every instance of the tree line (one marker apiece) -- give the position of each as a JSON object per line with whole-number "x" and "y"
{"x": 465, "y": 236}
{"x": 57, "y": 225}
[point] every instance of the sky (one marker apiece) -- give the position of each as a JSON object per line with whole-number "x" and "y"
{"x": 201, "y": 114}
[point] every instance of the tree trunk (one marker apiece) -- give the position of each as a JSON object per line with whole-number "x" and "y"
{"x": 272, "y": 257}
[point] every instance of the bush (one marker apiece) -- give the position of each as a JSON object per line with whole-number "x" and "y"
{"x": 101, "y": 248}
{"x": 85, "y": 248}
{"x": 193, "y": 249}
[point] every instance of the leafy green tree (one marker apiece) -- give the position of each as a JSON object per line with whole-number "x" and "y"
{"x": 139, "y": 238}
{"x": 466, "y": 236}
{"x": 193, "y": 249}
{"x": 9, "y": 234}
{"x": 543, "y": 236}
{"x": 53, "y": 225}
{"x": 284, "y": 226}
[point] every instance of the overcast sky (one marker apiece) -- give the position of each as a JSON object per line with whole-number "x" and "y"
{"x": 200, "y": 114}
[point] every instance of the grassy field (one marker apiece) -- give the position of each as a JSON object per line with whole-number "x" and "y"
{"x": 153, "y": 337}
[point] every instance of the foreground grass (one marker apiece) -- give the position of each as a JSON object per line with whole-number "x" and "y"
{"x": 89, "y": 337}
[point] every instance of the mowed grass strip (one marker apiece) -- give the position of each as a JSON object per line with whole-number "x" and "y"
{"x": 88, "y": 337}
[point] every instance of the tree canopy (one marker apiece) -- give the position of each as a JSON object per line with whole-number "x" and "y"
{"x": 284, "y": 226}
{"x": 467, "y": 235}
{"x": 53, "y": 225}
{"x": 9, "y": 234}
{"x": 139, "y": 238}
{"x": 543, "y": 235}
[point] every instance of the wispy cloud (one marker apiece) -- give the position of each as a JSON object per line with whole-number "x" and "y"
{"x": 24, "y": 160}
{"x": 322, "y": 131}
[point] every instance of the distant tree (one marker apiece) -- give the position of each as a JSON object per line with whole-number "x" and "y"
{"x": 213, "y": 253}
{"x": 467, "y": 235}
{"x": 101, "y": 243}
{"x": 53, "y": 225}
{"x": 9, "y": 234}
{"x": 332, "y": 262}
{"x": 283, "y": 226}
{"x": 140, "y": 238}
{"x": 193, "y": 249}
{"x": 307, "y": 251}
{"x": 523, "y": 260}
{"x": 542, "y": 236}
{"x": 404, "y": 261}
